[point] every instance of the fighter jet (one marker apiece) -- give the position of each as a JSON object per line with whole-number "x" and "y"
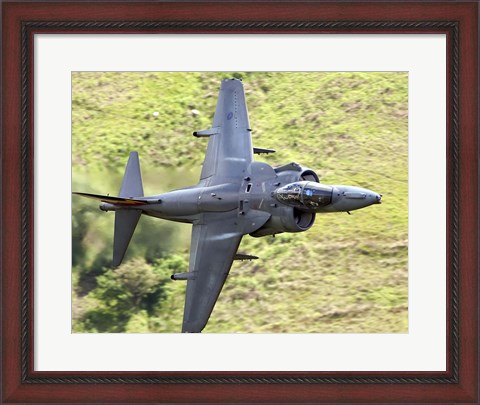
{"x": 236, "y": 196}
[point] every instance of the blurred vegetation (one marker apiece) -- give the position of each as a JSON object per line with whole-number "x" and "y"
{"x": 348, "y": 273}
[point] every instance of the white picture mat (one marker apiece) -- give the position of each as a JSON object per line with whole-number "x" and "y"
{"x": 422, "y": 349}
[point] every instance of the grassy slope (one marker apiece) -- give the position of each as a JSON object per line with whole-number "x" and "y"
{"x": 347, "y": 273}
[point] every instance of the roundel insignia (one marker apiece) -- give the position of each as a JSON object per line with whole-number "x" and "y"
{"x": 230, "y": 115}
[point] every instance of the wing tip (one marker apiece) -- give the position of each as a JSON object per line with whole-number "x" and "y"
{"x": 193, "y": 327}
{"x": 231, "y": 83}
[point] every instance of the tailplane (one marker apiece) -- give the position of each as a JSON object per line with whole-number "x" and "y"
{"x": 125, "y": 223}
{"x": 126, "y": 207}
{"x": 126, "y": 220}
{"x": 132, "y": 185}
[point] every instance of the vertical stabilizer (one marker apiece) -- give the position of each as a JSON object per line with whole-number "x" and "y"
{"x": 132, "y": 180}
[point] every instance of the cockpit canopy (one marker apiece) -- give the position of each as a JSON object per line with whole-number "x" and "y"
{"x": 304, "y": 194}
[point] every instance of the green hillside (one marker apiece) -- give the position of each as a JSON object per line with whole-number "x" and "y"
{"x": 348, "y": 273}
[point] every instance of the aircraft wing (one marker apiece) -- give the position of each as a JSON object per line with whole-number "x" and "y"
{"x": 229, "y": 150}
{"x": 212, "y": 252}
{"x": 214, "y": 244}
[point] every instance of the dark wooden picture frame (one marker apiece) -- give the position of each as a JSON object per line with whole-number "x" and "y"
{"x": 22, "y": 20}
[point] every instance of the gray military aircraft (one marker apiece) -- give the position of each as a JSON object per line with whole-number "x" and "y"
{"x": 235, "y": 196}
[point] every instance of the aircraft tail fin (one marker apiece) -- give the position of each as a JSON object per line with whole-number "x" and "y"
{"x": 125, "y": 205}
{"x": 119, "y": 201}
